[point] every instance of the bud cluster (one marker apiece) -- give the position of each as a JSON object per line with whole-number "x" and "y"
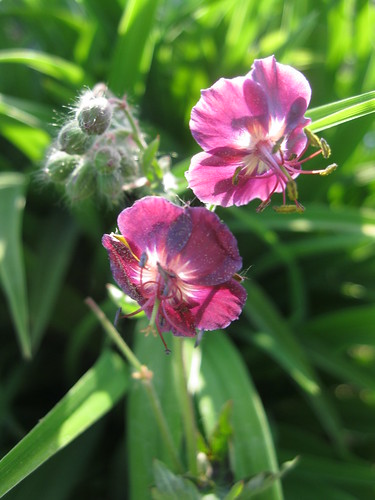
{"x": 100, "y": 152}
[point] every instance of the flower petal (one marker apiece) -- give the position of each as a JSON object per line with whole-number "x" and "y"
{"x": 124, "y": 267}
{"x": 212, "y": 117}
{"x": 288, "y": 91}
{"x": 219, "y": 306}
{"x": 211, "y": 179}
{"x": 180, "y": 320}
{"x": 211, "y": 254}
{"x": 146, "y": 224}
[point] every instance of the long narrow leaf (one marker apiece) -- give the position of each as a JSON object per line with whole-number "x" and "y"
{"x": 56, "y": 242}
{"x": 145, "y": 442}
{"x": 224, "y": 378}
{"x": 132, "y": 54}
{"x": 87, "y": 401}
{"x": 47, "y": 64}
{"x": 275, "y": 338}
{"x": 12, "y": 274}
{"x": 333, "y": 114}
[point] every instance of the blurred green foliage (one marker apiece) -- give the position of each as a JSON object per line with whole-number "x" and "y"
{"x": 307, "y": 334}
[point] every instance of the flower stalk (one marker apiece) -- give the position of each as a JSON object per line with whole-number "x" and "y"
{"x": 146, "y": 380}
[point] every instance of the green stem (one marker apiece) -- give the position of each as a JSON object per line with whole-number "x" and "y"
{"x": 187, "y": 409}
{"x": 113, "y": 334}
{"x": 163, "y": 426}
{"x": 147, "y": 383}
{"x": 137, "y": 134}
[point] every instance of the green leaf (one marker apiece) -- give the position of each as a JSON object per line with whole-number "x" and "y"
{"x": 47, "y": 64}
{"x": 53, "y": 253}
{"x": 264, "y": 480}
{"x": 222, "y": 433}
{"x": 274, "y": 337}
{"x": 133, "y": 51}
{"x": 87, "y": 401}
{"x": 145, "y": 442}
{"x": 59, "y": 476}
{"x": 12, "y": 274}
{"x": 223, "y": 377}
{"x": 169, "y": 486}
{"x": 338, "y": 112}
{"x": 123, "y": 301}
{"x": 32, "y": 142}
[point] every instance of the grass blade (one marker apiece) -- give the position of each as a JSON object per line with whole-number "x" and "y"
{"x": 274, "y": 337}
{"x": 47, "y": 64}
{"x": 12, "y": 274}
{"x": 223, "y": 377}
{"x": 338, "y": 112}
{"x": 133, "y": 51}
{"x": 88, "y": 400}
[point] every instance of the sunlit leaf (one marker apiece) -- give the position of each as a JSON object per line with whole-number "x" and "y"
{"x": 335, "y": 113}
{"x": 87, "y": 401}
{"x": 133, "y": 51}
{"x": 223, "y": 377}
{"x": 47, "y": 64}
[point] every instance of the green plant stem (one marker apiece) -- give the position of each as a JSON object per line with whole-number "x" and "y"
{"x": 113, "y": 334}
{"x": 163, "y": 426}
{"x": 137, "y": 134}
{"x": 147, "y": 383}
{"x": 187, "y": 409}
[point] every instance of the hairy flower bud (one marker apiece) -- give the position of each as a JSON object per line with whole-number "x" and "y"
{"x": 110, "y": 188}
{"x": 60, "y": 165}
{"x": 94, "y": 116}
{"x": 107, "y": 160}
{"x": 72, "y": 140}
{"x": 81, "y": 183}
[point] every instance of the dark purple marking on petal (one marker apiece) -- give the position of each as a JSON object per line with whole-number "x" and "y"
{"x": 211, "y": 252}
{"x": 229, "y": 155}
{"x": 295, "y": 114}
{"x": 178, "y": 234}
{"x": 253, "y": 125}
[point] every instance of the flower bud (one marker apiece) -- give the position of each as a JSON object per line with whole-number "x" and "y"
{"x": 81, "y": 183}
{"x": 60, "y": 165}
{"x": 110, "y": 187}
{"x": 94, "y": 115}
{"x": 107, "y": 160}
{"x": 72, "y": 140}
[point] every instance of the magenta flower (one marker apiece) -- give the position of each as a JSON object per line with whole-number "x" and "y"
{"x": 251, "y": 131}
{"x": 179, "y": 264}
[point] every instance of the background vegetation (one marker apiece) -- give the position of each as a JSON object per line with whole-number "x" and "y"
{"x": 306, "y": 337}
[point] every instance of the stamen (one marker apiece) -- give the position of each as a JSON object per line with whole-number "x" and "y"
{"x": 326, "y": 150}
{"x": 328, "y": 170}
{"x": 277, "y": 145}
{"x": 143, "y": 260}
{"x": 292, "y": 190}
{"x": 117, "y": 316}
{"x": 156, "y": 315}
{"x": 236, "y": 175}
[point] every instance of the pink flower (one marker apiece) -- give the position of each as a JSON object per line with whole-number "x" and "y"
{"x": 179, "y": 264}
{"x": 251, "y": 131}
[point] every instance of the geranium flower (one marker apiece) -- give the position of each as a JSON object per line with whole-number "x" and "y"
{"x": 251, "y": 131}
{"x": 179, "y": 264}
